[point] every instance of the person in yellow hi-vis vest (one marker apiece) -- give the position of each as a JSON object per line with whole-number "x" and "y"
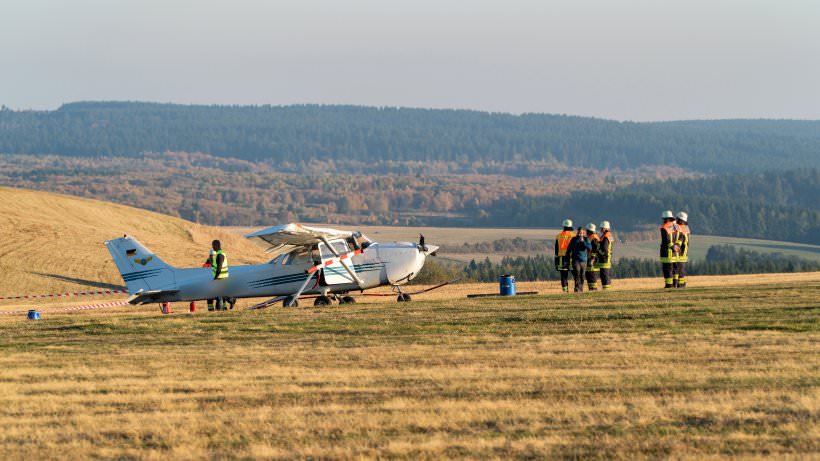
{"x": 669, "y": 252}
{"x": 593, "y": 269}
{"x": 561, "y": 257}
{"x": 604, "y": 262}
{"x": 219, "y": 269}
{"x": 682, "y": 220}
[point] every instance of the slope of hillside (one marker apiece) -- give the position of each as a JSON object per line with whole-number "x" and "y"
{"x": 53, "y": 243}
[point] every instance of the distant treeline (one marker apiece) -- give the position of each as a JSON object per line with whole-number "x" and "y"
{"x": 308, "y": 133}
{"x": 773, "y": 205}
{"x": 505, "y": 245}
{"x": 720, "y": 260}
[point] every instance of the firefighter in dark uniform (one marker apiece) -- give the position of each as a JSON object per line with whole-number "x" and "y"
{"x": 668, "y": 254}
{"x": 592, "y": 260}
{"x": 562, "y": 261}
{"x": 682, "y": 221}
{"x": 578, "y": 252}
{"x": 604, "y": 260}
{"x": 219, "y": 269}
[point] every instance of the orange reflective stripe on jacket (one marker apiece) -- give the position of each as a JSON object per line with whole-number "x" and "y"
{"x": 562, "y": 242}
{"x": 668, "y": 237}
{"x": 605, "y": 255}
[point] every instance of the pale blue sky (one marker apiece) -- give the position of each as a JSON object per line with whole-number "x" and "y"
{"x": 636, "y": 60}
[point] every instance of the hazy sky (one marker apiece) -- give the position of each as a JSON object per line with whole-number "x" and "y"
{"x": 636, "y": 60}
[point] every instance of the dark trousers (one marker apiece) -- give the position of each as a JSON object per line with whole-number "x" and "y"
{"x": 668, "y": 275}
{"x": 565, "y": 279}
{"x": 578, "y": 273}
{"x": 680, "y": 274}
{"x": 606, "y": 278}
{"x": 592, "y": 279}
{"x": 219, "y": 302}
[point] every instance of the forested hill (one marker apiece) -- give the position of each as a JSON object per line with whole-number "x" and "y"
{"x": 300, "y": 133}
{"x": 775, "y": 206}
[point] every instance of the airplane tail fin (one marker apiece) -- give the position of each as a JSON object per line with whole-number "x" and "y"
{"x": 141, "y": 270}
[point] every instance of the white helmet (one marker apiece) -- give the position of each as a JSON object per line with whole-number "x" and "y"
{"x": 667, "y": 215}
{"x": 567, "y": 223}
{"x": 604, "y": 225}
{"x": 683, "y": 216}
{"x": 591, "y": 227}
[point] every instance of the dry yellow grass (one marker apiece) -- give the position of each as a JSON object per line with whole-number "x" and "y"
{"x": 461, "y": 290}
{"x": 699, "y": 374}
{"x": 54, "y": 243}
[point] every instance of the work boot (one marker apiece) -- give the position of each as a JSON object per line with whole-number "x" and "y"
{"x": 210, "y": 304}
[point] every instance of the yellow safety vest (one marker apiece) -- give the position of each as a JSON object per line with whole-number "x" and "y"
{"x": 223, "y": 273}
{"x": 605, "y": 260}
{"x": 684, "y": 243}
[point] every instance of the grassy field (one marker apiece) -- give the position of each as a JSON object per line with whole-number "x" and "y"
{"x": 704, "y": 372}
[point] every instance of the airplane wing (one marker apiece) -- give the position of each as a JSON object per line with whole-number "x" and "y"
{"x": 286, "y": 238}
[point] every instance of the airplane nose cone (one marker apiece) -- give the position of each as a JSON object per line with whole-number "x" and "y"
{"x": 421, "y": 257}
{"x": 403, "y": 260}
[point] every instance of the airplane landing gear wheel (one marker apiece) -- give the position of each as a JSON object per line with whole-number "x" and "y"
{"x": 286, "y": 302}
{"x": 322, "y": 301}
{"x": 347, "y": 300}
{"x": 403, "y": 298}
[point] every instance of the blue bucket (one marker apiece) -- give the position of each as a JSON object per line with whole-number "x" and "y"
{"x": 507, "y": 285}
{"x": 33, "y": 315}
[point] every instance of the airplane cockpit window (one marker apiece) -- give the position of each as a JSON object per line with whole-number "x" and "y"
{"x": 276, "y": 260}
{"x": 340, "y": 246}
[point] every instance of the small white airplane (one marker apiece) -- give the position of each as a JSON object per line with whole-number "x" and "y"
{"x": 320, "y": 263}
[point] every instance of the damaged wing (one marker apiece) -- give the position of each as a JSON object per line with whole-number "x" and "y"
{"x": 286, "y": 238}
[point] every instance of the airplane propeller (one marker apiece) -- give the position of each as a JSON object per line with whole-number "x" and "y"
{"x": 424, "y": 248}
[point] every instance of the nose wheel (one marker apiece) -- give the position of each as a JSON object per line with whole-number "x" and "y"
{"x": 322, "y": 301}
{"x": 403, "y": 298}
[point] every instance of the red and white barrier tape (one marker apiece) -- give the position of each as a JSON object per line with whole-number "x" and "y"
{"x": 333, "y": 260}
{"x": 71, "y": 308}
{"x": 59, "y": 295}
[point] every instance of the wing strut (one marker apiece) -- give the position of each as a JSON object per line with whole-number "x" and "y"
{"x": 295, "y": 297}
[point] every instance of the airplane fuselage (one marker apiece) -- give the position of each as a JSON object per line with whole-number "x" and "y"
{"x": 380, "y": 264}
